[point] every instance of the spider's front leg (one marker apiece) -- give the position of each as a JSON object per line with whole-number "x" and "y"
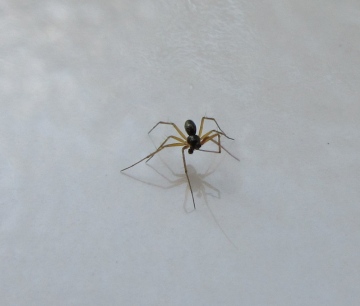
{"x": 213, "y": 119}
{"x": 208, "y": 134}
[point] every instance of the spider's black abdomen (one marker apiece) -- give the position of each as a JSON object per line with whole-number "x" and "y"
{"x": 190, "y": 127}
{"x": 194, "y": 142}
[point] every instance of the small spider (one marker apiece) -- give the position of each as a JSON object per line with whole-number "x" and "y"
{"x": 192, "y": 142}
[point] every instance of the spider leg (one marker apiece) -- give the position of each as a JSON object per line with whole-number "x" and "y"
{"x": 174, "y": 137}
{"x": 213, "y": 119}
{"x": 233, "y": 156}
{"x": 211, "y": 138}
{"x": 173, "y": 124}
{"x": 153, "y": 153}
{"x": 215, "y": 132}
{"x": 187, "y": 176}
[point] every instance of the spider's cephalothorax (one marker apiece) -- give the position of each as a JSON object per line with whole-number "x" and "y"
{"x": 193, "y": 140}
{"x": 191, "y": 143}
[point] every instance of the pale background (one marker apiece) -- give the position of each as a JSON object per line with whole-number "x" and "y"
{"x": 81, "y": 84}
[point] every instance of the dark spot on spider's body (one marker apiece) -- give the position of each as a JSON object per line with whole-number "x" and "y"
{"x": 193, "y": 140}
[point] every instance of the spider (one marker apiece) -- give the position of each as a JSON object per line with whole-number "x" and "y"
{"x": 192, "y": 142}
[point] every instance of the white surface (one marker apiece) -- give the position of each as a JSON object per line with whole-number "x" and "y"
{"x": 81, "y": 85}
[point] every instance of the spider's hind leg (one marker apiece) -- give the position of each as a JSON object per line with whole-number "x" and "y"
{"x": 187, "y": 176}
{"x": 153, "y": 153}
{"x": 173, "y": 137}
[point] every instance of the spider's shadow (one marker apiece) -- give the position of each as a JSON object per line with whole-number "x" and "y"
{"x": 198, "y": 184}
{"x": 201, "y": 188}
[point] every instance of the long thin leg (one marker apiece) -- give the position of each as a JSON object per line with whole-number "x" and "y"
{"x": 153, "y": 153}
{"x": 173, "y": 124}
{"x": 187, "y": 176}
{"x": 202, "y": 125}
{"x": 213, "y": 131}
{"x": 233, "y": 156}
{"x": 174, "y": 137}
{"x": 211, "y": 138}
{"x": 205, "y": 140}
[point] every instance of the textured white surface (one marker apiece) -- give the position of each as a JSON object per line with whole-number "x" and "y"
{"x": 81, "y": 83}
